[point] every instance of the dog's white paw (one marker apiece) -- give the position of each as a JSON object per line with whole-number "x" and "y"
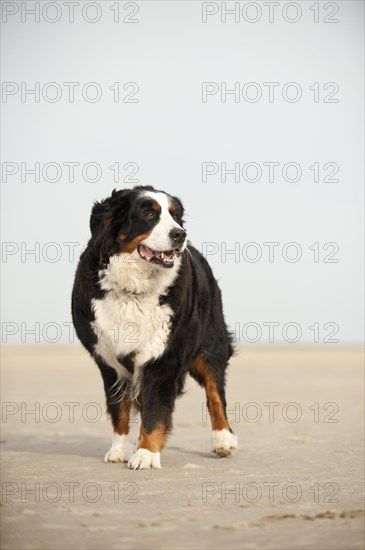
{"x": 143, "y": 459}
{"x": 121, "y": 450}
{"x": 225, "y": 442}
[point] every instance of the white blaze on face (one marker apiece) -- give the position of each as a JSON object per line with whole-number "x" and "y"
{"x": 159, "y": 238}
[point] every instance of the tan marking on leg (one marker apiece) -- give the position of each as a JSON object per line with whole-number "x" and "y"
{"x": 155, "y": 441}
{"x": 122, "y": 428}
{"x": 214, "y": 402}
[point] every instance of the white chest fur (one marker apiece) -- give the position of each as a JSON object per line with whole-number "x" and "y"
{"x": 129, "y": 319}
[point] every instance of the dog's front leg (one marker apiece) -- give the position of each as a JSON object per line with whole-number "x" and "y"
{"x": 158, "y": 400}
{"x": 148, "y": 454}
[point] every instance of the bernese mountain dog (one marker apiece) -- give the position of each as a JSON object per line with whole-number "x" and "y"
{"x": 147, "y": 307}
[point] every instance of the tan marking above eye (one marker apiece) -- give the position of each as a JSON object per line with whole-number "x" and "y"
{"x": 155, "y": 206}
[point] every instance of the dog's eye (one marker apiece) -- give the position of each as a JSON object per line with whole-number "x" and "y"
{"x": 150, "y": 215}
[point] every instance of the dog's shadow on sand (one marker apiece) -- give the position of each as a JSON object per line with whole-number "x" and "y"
{"x": 202, "y": 454}
{"x": 84, "y": 446}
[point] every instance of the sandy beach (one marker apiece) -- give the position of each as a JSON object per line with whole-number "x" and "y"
{"x": 295, "y": 482}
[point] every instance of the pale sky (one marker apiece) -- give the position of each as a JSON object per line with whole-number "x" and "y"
{"x": 164, "y": 134}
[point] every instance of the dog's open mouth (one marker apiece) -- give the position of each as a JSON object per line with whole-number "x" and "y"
{"x": 164, "y": 258}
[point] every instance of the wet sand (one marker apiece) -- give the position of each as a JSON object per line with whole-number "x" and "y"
{"x": 296, "y": 481}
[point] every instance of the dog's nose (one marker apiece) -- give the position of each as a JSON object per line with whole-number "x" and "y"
{"x": 177, "y": 235}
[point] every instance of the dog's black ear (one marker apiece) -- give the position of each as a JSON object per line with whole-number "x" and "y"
{"x": 100, "y": 221}
{"x": 179, "y": 209}
{"x": 107, "y": 218}
{"x": 100, "y": 217}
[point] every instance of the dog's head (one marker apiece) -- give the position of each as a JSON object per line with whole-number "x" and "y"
{"x": 140, "y": 221}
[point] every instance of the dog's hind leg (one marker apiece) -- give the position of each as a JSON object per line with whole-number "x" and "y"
{"x": 224, "y": 440}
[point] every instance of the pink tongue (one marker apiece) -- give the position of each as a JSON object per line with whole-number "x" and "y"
{"x": 147, "y": 252}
